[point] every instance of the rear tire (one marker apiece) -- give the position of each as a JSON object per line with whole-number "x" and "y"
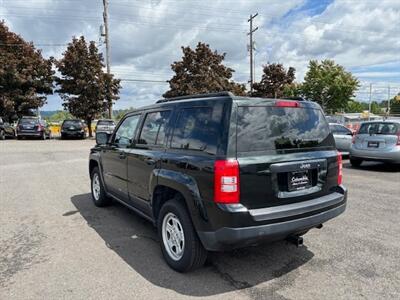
{"x": 193, "y": 254}
{"x": 2, "y": 135}
{"x": 99, "y": 196}
{"x": 355, "y": 162}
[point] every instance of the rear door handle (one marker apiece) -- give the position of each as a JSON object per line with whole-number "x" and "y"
{"x": 122, "y": 155}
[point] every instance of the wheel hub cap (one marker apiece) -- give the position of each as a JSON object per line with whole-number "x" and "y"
{"x": 96, "y": 186}
{"x": 173, "y": 236}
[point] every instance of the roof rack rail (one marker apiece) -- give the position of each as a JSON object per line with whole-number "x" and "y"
{"x": 294, "y": 98}
{"x": 197, "y": 96}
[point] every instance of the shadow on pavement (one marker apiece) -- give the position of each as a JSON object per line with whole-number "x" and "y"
{"x": 135, "y": 241}
{"x": 374, "y": 166}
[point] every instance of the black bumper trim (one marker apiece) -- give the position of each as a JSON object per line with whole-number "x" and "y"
{"x": 229, "y": 238}
{"x": 299, "y": 208}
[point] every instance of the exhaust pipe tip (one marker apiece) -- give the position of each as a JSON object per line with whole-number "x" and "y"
{"x": 295, "y": 240}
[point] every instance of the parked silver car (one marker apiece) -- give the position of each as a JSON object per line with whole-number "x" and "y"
{"x": 106, "y": 126}
{"x": 343, "y": 137}
{"x": 376, "y": 141}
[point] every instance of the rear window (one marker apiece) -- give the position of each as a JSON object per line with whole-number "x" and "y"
{"x": 72, "y": 123}
{"x": 261, "y": 128}
{"x": 379, "y": 128}
{"x": 27, "y": 121}
{"x": 106, "y": 122}
{"x": 197, "y": 129}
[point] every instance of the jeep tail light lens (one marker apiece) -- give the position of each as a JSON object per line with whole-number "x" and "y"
{"x": 340, "y": 168}
{"x": 282, "y": 103}
{"x": 226, "y": 181}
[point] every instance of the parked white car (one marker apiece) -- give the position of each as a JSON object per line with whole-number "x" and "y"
{"x": 376, "y": 141}
{"x": 106, "y": 126}
{"x": 343, "y": 137}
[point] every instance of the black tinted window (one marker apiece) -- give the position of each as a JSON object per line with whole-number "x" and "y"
{"x": 72, "y": 123}
{"x": 27, "y": 121}
{"x": 197, "y": 129}
{"x": 126, "y": 131}
{"x": 384, "y": 128}
{"x": 153, "y": 131}
{"x": 270, "y": 128}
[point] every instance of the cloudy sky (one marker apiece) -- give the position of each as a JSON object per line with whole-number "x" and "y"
{"x": 146, "y": 36}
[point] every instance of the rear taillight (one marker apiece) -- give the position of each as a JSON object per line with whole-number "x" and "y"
{"x": 226, "y": 181}
{"x": 39, "y": 127}
{"x": 283, "y": 103}
{"x": 340, "y": 168}
{"x": 398, "y": 139}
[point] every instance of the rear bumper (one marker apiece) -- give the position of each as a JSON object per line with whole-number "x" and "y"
{"x": 30, "y": 134}
{"x": 392, "y": 155}
{"x": 297, "y": 218}
{"x": 72, "y": 134}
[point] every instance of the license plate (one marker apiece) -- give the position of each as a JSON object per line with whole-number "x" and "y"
{"x": 373, "y": 144}
{"x": 298, "y": 181}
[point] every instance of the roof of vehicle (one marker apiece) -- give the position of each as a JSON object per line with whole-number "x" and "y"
{"x": 381, "y": 121}
{"x": 73, "y": 120}
{"x": 330, "y": 123}
{"x": 240, "y": 100}
{"x": 108, "y": 120}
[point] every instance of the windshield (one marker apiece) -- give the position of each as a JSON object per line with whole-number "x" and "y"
{"x": 262, "y": 128}
{"x": 105, "y": 122}
{"x": 384, "y": 128}
{"x": 72, "y": 123}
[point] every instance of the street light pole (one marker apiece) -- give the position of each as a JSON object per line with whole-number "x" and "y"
{"x": 106, "y": 41}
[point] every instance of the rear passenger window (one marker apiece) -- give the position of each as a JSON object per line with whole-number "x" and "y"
{"x": 197, "y": 129}
{"x": 153, "y": 131}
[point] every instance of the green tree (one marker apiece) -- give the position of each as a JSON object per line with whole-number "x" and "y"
{"x": 329, "y": 84}
{"x": 201, "y": 71}
{"x": 354, "y": 106}
{"x": 375, "y": 108}
{"x": 83, "y": 85}
{"x": 59, "y": 116}
{"x": 111, "y": 90}
{"x": 274, "y": 79}
{"x": 395, "y": 105}
{"x": 25, "y": 76}
{"x": 118, "y": 114}
{"x": 292, "y": 90}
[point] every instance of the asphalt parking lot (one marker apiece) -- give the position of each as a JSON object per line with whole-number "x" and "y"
{"x": 55, "y": 244}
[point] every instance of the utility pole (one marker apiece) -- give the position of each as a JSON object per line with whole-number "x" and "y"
{"x": 251, "y": 47}
{"x": 106, "y": 41}
{"x": 388, "y": 108}
{"x": 370, "y": 102}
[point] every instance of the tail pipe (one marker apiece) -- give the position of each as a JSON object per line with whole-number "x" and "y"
{"x": 295, "y": 240}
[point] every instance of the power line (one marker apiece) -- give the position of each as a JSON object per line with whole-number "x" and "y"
{"x": 144, "y": 80}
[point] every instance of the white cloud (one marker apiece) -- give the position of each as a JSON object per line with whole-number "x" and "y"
{"x": 146, "y": 36}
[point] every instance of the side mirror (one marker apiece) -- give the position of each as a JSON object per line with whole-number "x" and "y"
{"x": 102, "y": 138}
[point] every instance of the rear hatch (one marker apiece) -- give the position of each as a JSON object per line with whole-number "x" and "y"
{"x": 377, "y": 136}
{"x": 286, "y": 153}
{"x": 72, "y": 126}
{"x": 27, "y": 125}
{"x": 103, "y": 125}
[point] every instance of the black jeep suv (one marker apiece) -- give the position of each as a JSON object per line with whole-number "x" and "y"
{"x": 215, "y": 172}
